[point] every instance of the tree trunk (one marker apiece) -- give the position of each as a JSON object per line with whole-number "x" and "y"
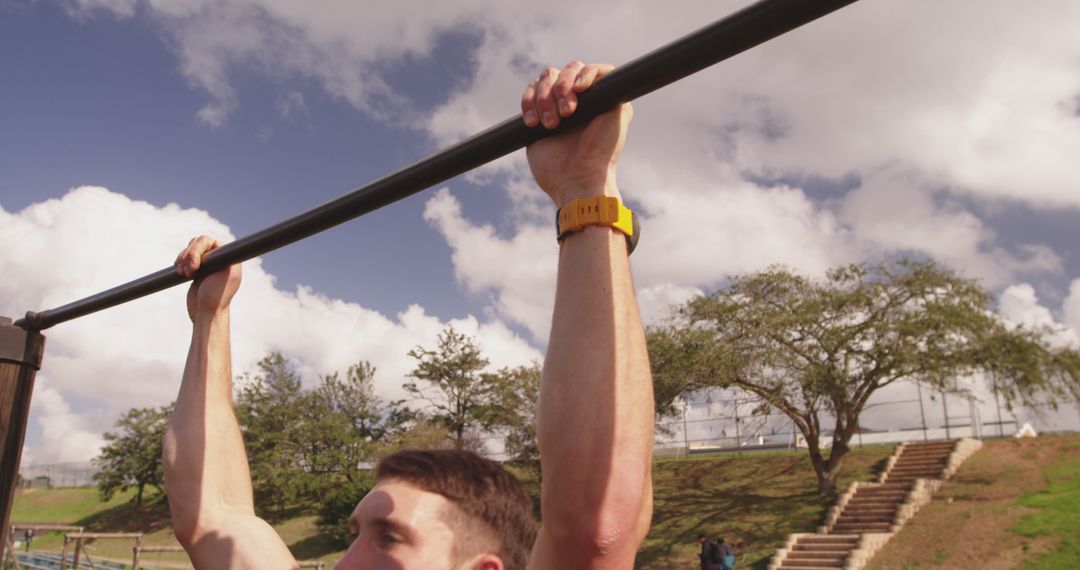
{"x": 831, "y": 469}
{"x": 138, "y": 496}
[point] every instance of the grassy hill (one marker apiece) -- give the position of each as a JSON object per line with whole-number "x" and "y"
{"x": 1014, "y": 504}
{"x": 754, "y": 500}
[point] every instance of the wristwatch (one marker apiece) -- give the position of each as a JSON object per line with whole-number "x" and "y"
{"x": 599, "y": 211}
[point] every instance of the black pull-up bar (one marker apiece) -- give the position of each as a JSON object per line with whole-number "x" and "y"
{"x": 729, "y": 36}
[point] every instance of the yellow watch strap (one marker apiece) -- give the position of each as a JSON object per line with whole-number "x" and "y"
{"x": 595, "y": 211}
{"x": 598, "y": 211}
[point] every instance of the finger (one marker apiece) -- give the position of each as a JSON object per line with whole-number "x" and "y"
{"x": 180, "y": 260}
{"x": 545, "y": 101}
{"x": 589, "y": 74}
{"x": 565, "y": 98}
{"x": 191, "y": 258}
{"x": 528, "y": 105}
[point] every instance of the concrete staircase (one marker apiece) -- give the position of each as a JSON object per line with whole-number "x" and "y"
{"x": 866, "y": 516}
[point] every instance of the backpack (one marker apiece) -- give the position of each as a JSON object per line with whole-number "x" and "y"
{"x": 715, "y": 555}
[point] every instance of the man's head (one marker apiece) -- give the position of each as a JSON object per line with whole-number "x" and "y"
{"x": 442, "y": 509}
{"x": 702, "y": 538}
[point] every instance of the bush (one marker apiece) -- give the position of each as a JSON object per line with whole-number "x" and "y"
{"x": 337, "y": 506}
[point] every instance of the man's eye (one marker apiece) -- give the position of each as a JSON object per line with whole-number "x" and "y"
{"x": 388, "y": 540}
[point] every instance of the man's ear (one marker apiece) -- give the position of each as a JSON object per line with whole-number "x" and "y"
{"x": 487, "y": 562}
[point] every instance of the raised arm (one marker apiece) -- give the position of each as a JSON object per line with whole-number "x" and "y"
{"x": 595, "y": 423}
{"x": 206, "y": 469}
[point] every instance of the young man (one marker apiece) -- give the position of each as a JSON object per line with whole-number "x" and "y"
{"x": 438, "y": 511}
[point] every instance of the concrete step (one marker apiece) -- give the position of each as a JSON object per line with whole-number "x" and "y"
{"x": 862, "y": 527}
{"x": 839, "y": 547}
{"x": 871, "y": 502}
{"x": 808, "y": 555}
{"x": 834, "y": 538}
{"x": 843, "y": 522}
{"x": 811, "y": 565}
{"x": 939, "y": 463}
{"x": 887, "y": 492}
{"x": 927, "y": 452}
{"x": 925, "y": 444}
{"x": 867, "y": 513}
{"x": 924, "y": 473}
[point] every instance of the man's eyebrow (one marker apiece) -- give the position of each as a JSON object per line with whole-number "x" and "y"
{"x": 392, "y": 525}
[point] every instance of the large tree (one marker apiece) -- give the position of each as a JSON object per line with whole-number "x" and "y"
{"x": 131, "y": 456}
{"x": 818, "y": 349}
{"x": 452, "y": 385}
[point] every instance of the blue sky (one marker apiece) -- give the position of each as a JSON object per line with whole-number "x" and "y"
{"x": 941, "y": 130}
{"x": 100, "y": 101}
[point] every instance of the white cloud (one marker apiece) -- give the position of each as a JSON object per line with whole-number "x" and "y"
{"x": 98, "y": 366}
{"x": 898, "y": 211}
{"x": 1072, "y": 306}
{"x": 1020, "y": 305}
{"x": 519, "y": 271}
{"x": 64, "y": 437}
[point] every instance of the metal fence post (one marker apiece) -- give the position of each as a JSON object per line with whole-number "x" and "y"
{"x": 945, "y": 411}
{"x": 922, "y": 412}
{"x": 20, "y": 359}
{"x": 685, "y": 436}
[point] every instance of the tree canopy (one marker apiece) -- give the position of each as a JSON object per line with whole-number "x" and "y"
{"x": 452, "y": 385}
{"x": 818, "y": 349}
{"x": 131, "y": 457}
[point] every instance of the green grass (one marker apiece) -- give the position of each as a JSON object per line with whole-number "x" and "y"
{"x": 1057, "y": 507}
{"x": 752, "y": 500}
{"x": 62, "y": 505}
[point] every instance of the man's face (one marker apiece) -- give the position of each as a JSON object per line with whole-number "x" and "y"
{"x": 398, "y": 526}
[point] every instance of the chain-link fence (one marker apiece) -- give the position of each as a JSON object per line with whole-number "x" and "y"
{"x": 57, "y": 475}
{"x": 719, "y": 420}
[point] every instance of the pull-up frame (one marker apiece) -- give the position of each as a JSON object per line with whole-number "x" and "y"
{"x": 729, "y": 36}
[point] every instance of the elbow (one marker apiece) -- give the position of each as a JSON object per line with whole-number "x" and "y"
{"x": 190, "y": 528}
{"x": 614, "y": 531}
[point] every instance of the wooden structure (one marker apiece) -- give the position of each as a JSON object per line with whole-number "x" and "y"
{"x": 80, "y": 548}
{"x": 20, "y": 359}
{"x": 139, "y": 549}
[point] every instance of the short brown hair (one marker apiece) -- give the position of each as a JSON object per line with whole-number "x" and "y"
{"x": 485, "y": 492}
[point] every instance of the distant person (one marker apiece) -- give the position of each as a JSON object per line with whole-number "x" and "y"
{"x": 711, "y": 558}
{"x": 727, "y": 554}
{"x": 28, "y": 535}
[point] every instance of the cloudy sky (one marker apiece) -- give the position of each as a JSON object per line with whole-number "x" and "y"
{"x": 944, "y": 129}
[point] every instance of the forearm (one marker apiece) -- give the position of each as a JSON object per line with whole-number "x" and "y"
{"x": 206, "y": 470}
{"x": 596, "y": 406}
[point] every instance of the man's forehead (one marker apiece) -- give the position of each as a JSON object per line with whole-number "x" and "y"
{"x": 401, "y": 503}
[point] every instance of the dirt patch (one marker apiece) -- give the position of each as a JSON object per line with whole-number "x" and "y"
{"x": 967, "y": 523}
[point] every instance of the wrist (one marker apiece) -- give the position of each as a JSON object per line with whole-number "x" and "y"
{"x": 205, "y": 316}
{"x": 575, "y": 191}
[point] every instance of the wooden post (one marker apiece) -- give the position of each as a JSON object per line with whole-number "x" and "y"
{"x": 20, "y": 359}
{"x": 75, "y": 556}
{"x": 63, "y": 554}
{"x": 138, "y": 549}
